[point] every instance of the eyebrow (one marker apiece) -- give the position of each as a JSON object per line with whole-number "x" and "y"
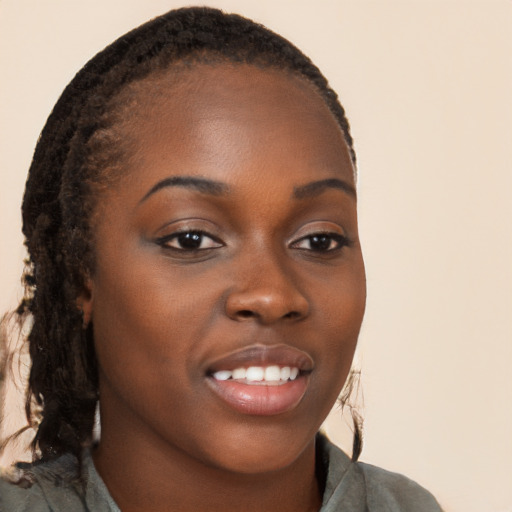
{"x": 203, "y": 185}
{"x": 318, "y": 187}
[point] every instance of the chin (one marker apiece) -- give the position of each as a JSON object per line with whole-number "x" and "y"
{"x": 260, "y": 450}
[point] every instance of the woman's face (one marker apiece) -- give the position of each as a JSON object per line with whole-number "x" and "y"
{"x": 228, "y": 253}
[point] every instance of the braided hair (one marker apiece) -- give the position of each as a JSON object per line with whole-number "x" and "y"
{"x": 77, "y": 153}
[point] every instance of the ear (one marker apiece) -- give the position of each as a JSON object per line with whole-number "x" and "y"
{"x": 85, "y": 301}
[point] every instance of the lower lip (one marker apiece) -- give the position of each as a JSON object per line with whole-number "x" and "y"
{"x": 260, "y": 399}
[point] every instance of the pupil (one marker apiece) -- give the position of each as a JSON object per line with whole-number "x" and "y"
{"x": 190, "y": 240}
{"x": 320, "y": 242}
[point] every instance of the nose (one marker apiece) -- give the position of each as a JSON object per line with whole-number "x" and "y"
{"x": 267, "y": 293}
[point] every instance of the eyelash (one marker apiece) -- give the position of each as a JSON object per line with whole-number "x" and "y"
{"x": 340, "y": 240}
{"x": 195, "y": 235}
{"x": 164, "y": 241}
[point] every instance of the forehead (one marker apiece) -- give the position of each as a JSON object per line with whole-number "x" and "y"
{"x": 207, "y": 113}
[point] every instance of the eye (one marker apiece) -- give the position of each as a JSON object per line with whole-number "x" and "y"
{"x": 189, "y": 241}
{"x": 321, "y": 242}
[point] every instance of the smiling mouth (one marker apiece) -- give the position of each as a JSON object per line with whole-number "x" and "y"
{"x": 259, "y": 375}
{"x": 261, "y": 380}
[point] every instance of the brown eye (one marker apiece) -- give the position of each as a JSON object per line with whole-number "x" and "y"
{"x": 321, "y": 242}
{"x": 189, "y": 241}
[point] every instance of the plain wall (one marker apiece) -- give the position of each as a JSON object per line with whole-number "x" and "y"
{"x": 427, "y": 86}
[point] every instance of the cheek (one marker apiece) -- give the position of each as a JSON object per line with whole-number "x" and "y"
{"x": 339, "y": 298}
{"x": 341, "y": 308}
{"x": 147, "y": 318}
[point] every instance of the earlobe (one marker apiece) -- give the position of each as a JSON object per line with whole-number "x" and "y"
{"x": 85, "y": 302}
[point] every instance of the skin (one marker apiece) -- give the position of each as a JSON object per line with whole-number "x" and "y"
{"x": 161, "y": 313}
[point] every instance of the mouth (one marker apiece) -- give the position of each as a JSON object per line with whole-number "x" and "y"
{"x": 261, "y": 380}
{"x": 259, "y": 375}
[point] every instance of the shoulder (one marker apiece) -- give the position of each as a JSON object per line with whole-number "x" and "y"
{"x": 46, "y": 487}
{"x": 396, "y": 491}
{"x": 18, "y": 499}
{"x": 361, "y": 487}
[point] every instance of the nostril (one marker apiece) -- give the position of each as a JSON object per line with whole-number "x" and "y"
{"x": 292, "y": 315}
{"x": 246, "y": 313}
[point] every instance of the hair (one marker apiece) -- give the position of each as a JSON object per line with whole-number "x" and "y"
{"x": 76, "y": 153}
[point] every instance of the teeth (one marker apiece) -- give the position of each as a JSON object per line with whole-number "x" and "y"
{"x": 239, "y": 373}
{"x": 255, "y": 373}
{"x": 272, "y": 373}
{"x": 259, "y": 374}
{"x": 222, "y": 375}
{"x": 285, "y": 373}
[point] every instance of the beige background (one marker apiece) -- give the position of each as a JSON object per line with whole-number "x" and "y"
{"x": 427, "y": 87}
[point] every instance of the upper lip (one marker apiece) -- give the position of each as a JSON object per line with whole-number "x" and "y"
{"x": 263, "y": 355}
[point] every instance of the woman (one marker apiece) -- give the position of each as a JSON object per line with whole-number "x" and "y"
{"x": 190, "y": 215}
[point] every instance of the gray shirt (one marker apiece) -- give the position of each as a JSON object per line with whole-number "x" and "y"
{"x": 349, "y": 487}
